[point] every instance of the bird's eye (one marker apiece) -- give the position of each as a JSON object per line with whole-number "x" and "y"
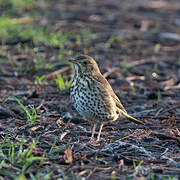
{"x": 85, "y": 63}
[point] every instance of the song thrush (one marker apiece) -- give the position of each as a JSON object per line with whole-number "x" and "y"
{"x": 93, "y": 96}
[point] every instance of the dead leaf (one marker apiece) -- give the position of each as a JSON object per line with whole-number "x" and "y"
{"x": 23, "y": 20}
{"x": 35, "y": 128}
{"x": 68, "y": 155}
{"x": 60, "y": 123}
{"x": 63, "y": 135}
{"x": 109, "y": 128}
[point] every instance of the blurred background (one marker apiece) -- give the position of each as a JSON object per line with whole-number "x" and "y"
{"x": 37, "y": 34}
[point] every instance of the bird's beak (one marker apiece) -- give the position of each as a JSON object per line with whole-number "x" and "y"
{"x": 73, "y": 60}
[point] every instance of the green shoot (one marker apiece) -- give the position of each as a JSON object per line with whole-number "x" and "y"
{"x": 49, "y": 173}
{"x": 38, "y": 63}
{"x": 31, "y": 116}
{"x": 144, "y": 52}
{"x": 78, "y": 40}
{"x": 110, "y": 41}
{"x": 113, "y": 177}
{"x": 62, "y": 41}
{"x": 12, "y": 153}
{"x": 127, "y": 66}
{"x": 156, "y": 67}
{"x": 5, "y": 139}
{"x": 133, "y": 91}
{"x": 61, "y": 84}
{"x": 83, "y": 39}
{"x": 10, "y": 31}
{"x": 39, "y": 79}
{"x": 172, "y": 178}
{"x": 158, "y": 95}
{"x": 53, "y": 149}
{"x": 19, "y": 156}
{"x": 152, "y": 176}
{"x": 22, "y": 177}
{"x": 21, "y": 5}
{"x": 136, "y": 168}
{"x": 157, "y": 48}
{"x": 68, "y": 83}
{"x": 86, "y": 36}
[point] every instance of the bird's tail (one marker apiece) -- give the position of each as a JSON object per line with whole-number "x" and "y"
{"x": 131, "y": 118}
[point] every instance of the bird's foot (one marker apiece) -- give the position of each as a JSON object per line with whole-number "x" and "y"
{"x": 95, "y": 143}
{"x": 98, "y": 139}
{"x": 92, "y": 140}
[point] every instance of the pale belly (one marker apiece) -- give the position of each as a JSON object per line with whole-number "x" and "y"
{"x": 89, "y": 105}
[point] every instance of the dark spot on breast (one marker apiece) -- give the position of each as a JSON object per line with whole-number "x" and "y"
{"x": 88, "y": 97}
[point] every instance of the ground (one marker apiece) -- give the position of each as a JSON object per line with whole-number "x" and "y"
{"x": 136, "y": 44}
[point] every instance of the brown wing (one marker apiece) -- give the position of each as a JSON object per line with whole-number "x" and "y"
{"x": 105, "y": 84}
{"x": 109, "y": 91}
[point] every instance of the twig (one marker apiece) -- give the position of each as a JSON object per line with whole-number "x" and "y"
{"x": 128, "y": 136}
{"x": 110, "y": 72}
{"x": 131, "y": 78}
{"x": 90, "y": 174}
{"x": 117, "y": 145}
{"x": 64, "y": 134}
{"x": 42, "y": 103}
{"x": 166, "y": 150}
{"x": 142, "y": 61}
{"x": 160, "y": 135}
{"x": 82, "y": 173}
{"x": 161, "y": 109}
{"x": 59, "y": 71}
{"x": 170, "y": 109}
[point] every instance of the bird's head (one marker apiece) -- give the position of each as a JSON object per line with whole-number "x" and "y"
{"x": 85, "y": 64}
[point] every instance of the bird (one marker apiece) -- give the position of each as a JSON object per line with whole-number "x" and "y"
{"x": 93, "y": 96}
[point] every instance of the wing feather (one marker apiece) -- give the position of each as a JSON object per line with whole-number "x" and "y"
{"x": 106, "y": 87}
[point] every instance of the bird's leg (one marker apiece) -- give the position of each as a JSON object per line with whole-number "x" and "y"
{"x": 93, "y": 132}
{"x": 100, "y": 129}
